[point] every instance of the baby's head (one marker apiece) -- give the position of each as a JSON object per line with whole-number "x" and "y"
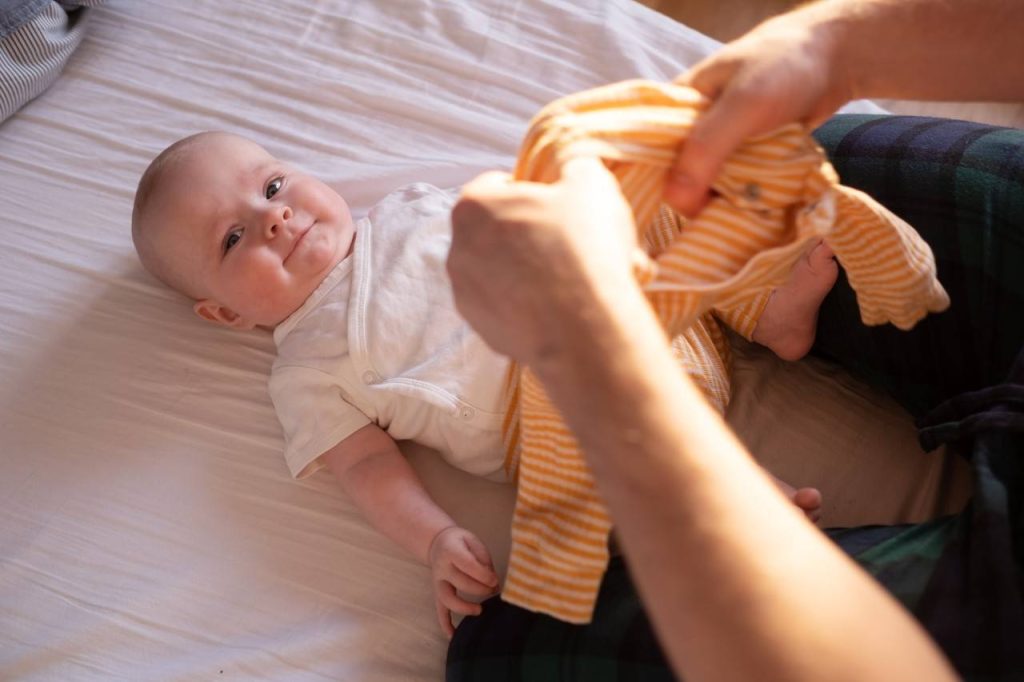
{"x": 246, "y": 236}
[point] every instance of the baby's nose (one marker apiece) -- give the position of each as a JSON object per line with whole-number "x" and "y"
{"x": 275, "y": 220}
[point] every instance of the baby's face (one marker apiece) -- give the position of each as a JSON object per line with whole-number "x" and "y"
{"x": 255, "y": 235}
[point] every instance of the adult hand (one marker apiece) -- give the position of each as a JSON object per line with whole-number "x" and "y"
{"x": 459, "y": 562}
{"x": 782, "y": 71}
{"x": 526, "y": 257}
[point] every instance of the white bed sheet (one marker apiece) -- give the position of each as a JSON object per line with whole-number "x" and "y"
{"x": 148, "y": 526}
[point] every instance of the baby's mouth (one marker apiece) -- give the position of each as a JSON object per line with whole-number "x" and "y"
{"x": 298, "y": 240}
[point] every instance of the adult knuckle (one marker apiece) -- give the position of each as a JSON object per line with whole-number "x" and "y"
{"x": 467, "y": 211}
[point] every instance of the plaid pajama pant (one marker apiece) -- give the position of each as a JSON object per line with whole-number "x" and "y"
{"x": 961, "y": 185}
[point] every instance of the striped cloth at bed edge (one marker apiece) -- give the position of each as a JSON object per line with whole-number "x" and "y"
{"x": 37, "y": 37}
{"x": 776, "y": 195}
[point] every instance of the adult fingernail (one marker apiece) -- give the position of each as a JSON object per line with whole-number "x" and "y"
{"x": 682, "y": 184}
{"x": 683, "y": 193}
{"x": 680, "y": 178}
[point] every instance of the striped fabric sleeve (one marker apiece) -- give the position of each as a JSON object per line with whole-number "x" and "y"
{"x": 776, "y": 196}
{"x": 877, "y": 267}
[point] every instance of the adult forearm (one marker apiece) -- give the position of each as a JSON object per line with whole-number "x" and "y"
{"x": 925, "y": 49}
{"x": 738, "y": 584}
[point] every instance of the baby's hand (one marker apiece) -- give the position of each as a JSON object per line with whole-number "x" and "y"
{"x": 459, "y": 562}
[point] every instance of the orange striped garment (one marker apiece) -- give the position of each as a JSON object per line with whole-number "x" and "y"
{"x": 776, "y": 196}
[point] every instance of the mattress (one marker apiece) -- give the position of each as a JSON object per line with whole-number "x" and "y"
{"x": 149, "y": 529}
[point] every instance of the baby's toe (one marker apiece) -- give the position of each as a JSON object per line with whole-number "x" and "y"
{"x": 809, "y": 500}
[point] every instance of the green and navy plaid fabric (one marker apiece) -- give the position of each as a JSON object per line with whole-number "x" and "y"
{"x": 962, "y": 186}
{"x": 961, "y": 373}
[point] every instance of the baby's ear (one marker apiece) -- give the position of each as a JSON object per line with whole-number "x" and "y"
{"x": 211, "y": 311}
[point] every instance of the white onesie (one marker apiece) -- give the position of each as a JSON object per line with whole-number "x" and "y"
{"x": 380, "y": 341}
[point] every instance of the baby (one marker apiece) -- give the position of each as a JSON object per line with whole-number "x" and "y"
{"x": 370, "y": 347}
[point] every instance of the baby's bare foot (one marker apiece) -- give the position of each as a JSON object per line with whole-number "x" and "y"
{"x": 790, "y": 319}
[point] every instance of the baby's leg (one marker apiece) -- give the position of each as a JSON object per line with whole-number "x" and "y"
{"x": 807, "y": 499}
{"x": 790, "y": 318}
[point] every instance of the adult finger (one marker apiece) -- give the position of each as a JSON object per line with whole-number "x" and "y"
{"x": 710, "y": 75}
{"x": 715, "y": 134}
{"x": 587, "y": 170}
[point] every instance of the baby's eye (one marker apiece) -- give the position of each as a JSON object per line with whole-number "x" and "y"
{"x": 233, "y": 237}
{"x": 274, "y": 187}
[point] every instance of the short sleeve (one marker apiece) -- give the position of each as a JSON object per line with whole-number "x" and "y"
{"x": 314, "y": 415}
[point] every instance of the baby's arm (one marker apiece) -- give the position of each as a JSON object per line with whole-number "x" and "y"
{"x": 373, "y": 472}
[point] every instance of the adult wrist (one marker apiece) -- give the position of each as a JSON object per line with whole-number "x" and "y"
{"x": 830, "y": 26}
{"x": 580, "y": 304}
{"x": 591, "y": 330}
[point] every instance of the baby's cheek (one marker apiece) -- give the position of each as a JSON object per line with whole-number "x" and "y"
{"x": 343, "y": 216}
{"x": 268, "y": 284}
